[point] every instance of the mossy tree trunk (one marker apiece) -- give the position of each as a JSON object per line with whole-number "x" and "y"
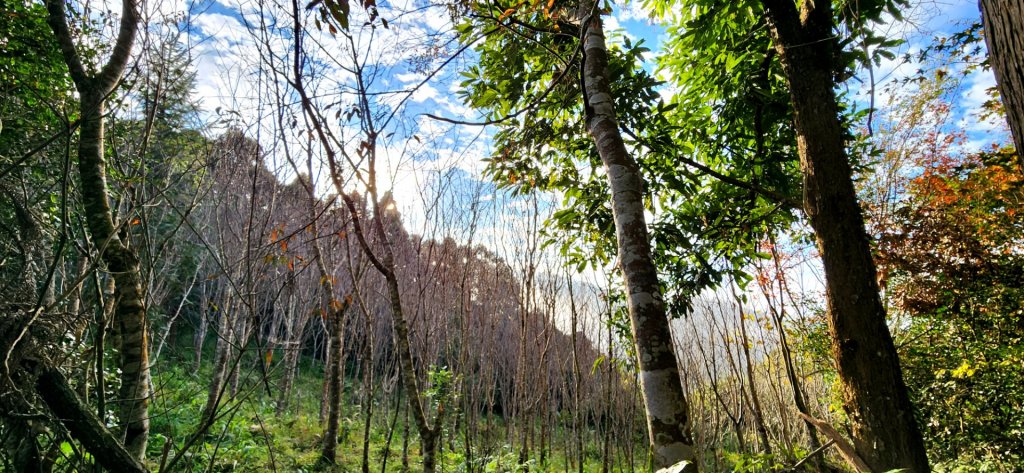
{"x": 121, "y": 260}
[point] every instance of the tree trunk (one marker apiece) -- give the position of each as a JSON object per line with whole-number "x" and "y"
{"x": 199, "y": 336}
{"x": 291, "y": 370}
{"x": 221, "y": 359}
{"x": 133, "y": 406}
{"x": 577, "y": 429}
{"x": 384, "y": 263}
{"x": 328, "y": 453}
{"x": 664, "y": 401}
{"x": 83, "y": 425}
{"x": 405, "y": 439}
{"x": 325, "y": 387}
{"x": 240, "y": 339}
{"x": 884, "y": 430}
{"x": 1003, "y": 21}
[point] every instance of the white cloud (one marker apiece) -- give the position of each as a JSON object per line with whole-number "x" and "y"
{"x": 632, "y": 10}
{"x": 423, "y": 93}
{"x": 223, "y": 30}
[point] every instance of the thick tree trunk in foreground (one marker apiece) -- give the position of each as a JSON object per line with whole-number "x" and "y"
{"x": 884, "y": 431}
{"x": 1003, "y": 21}
{"x": 130, "y": 317}
{"x": 667, "y": 412}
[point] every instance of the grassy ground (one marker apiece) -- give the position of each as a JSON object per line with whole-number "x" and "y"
{"x": 250, "y": 437}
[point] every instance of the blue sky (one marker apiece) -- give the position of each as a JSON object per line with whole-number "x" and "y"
{"x": 226, "y": 56}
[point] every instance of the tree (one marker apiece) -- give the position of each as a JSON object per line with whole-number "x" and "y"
{"x": 371, "y": 223}
{"x": 502, "y": 91}
{"x": 1003, "y": 20}
{"x": 948, "y": 223}
{"x": 667, "y": 412}
{"x": 121, "y": 260}
{"x": 885, "y": 432}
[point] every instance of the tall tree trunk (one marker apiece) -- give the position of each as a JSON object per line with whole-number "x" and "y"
{"x": 368, "y": 387}
{"x": 664, "y": 401}
{"x": 292, "y": 350}
{"x": 123, "y": 263}
{"x": 884, "y": 430}
{"x": 239, "y": 340}
{"x": 384, "y": 261}
{"x": 328, "y": 452}
{"x": 295, "y": 327}
{"x": 576, "y": 378}
{"x": 221, "y": 358}
{"x": 325, "y": 387}
{"x": 1003, "y": 21}
{"x": 199, "y": 336}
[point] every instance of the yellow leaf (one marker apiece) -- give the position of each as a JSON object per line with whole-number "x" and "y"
{"x": 965, "y": 370}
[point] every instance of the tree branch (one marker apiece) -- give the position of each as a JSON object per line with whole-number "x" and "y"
{"x": 83, "y": 424}
{"x": 112, "y": 71}
{"x": 59, "y": 24}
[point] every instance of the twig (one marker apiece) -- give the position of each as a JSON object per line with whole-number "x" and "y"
{"x": 812, "y": 454}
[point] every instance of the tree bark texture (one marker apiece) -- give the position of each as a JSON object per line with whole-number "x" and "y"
{"x": 328, "y": 453}
{"x": 83, "y": 425}
{"x": 664, "y": 400}
{"x": 199, "y": 336}
{"x": 1003, "y": 21}
{"x": 875, "y": 397}
{"x": 121, "y": 260}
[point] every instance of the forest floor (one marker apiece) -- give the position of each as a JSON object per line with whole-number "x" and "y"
{"x": 250, "y": 437}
